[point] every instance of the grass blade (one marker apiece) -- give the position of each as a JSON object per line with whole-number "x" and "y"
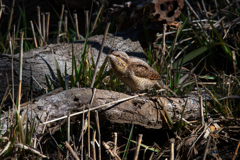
{"x": 128, "y": 143}
{"x": 197, "y": 52}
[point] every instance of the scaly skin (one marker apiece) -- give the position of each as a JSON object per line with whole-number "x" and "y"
{"x": 135, "y": 73}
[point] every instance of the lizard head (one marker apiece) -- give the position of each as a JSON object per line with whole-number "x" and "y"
{"x": 118, "y": 61}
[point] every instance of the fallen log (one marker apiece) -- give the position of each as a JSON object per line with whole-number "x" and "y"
{"x": 34, "y": 65}
{"x": 145, "y": 111}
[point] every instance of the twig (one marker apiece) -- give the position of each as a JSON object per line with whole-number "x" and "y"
{"x": 236, "y": 151}
{"x": 237, "y": 4}
{"x": 196, "y": 84}
{"x": 13, "y": 36}
{"x": 34, "y": 36}
{"x": 94, "y": 150}
{"x": 35, "y": 142}
{"x": 176, "y": 36}
{"x": 204, "y": 33}
{"x": 88, "y": 156}
{"x": 44, "y": 28}
{"x": 199, "y": 7}
{"x": 71, "y": 150}
{"x": 6, "y": 147}
{"x": 33, "y": 150}
{"x": 115, "y": 142}
{"x": 201, "y": 108}
{"x": 151, "y": 156}
{"x": 99, "y": 134}
{"x": 89, "y": 19}
{"x": 190, "y": 7}
{"x": 89, "y": 106}
{"x": 8, "y": 117}
{"x": 95, "y": 22}
{"x": 86, "y": 23}
{"x": 59, "y": 30}
{"x": 219, "y": 21}
{"x": 206, "y": 149}
{"x": 163, "y": 41}
{"x": 107, "y": 147}
{"x": 216, "y": 9}
{"x": 20, "y": 71}
{"x": 73, "y": 140}
{"x": 174, "y": 44}
{"x": 89, "y": 147}
{"x": 139, "y": 141}
{"x": 37, "y": 82}
{"x": 199, "y": 137}
{"x": 168, "y": 33}
{"x": 234, "y": 62}
{"x": 61, "y": 17}
{"x": 99, "y": 55}
{"x": 172, "y": 141}
{"x": 82, "y": 133}
{"x": 68, "y": 133}
{"x": 93, "y": 144}
{"x": 2, "y": 7}
{"x": 164, "y": 46}
{"x": 183, "y": 119}
{"x": 10, "y": 18}
{"x": 213, "y": 97}
{"x": 39, "y": 24}
{"x": 11, "y": 51}
{"x": 47, "y": 27}
{"x": 65, "y": 24}
{"x": 76, "y": 25}
{"x": 188, "y": 14}
{"x": 56, "y": 143}
{"x": 233, "y": 139}
{"x": 25, "y": 39}
{"x": 44, "y": 127}
{"x": 204, "y": 8}
{"x": 84, "y": 128}
{"x": 181, "y": 52}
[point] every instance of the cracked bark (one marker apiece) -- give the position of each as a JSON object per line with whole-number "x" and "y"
{"x": 144, "y": 111}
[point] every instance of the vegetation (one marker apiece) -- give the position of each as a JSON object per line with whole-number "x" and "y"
{"x": 203, "y": 55}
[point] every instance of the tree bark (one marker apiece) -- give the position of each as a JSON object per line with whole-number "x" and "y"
{"x": 146, "y": 111}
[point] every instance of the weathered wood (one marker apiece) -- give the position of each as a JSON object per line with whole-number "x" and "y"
{"x": 33, "y": 59}
{"x": 144, "y": 111}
